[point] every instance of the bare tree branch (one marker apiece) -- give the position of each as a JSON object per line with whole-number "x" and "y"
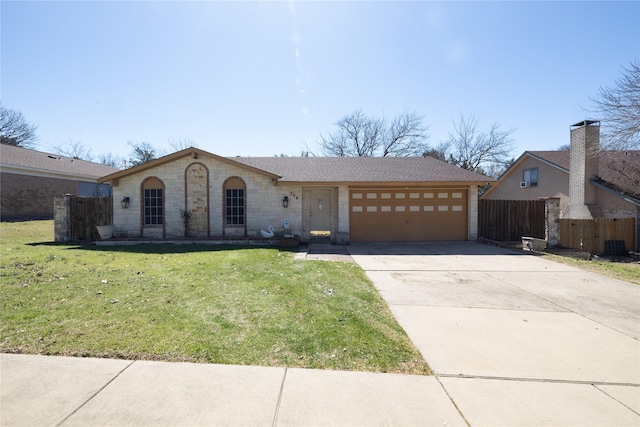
{"x": 181, "y": 144}
{"x": 405, "y": 136}
{"x": 483, "y": 152}
{"x": 142, "y": 153}
{"x": 15, "y": 130}
{"x": 111, "y": 159}
{"x": 74, "y": 149}
{"x": 619, "y": 111}
{"x": 361, "y": 136}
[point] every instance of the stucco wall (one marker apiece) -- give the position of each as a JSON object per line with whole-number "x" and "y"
{"x": 612, "y": 206}
{"x": 552, "y": 182}
{"x": 264, "y": 201}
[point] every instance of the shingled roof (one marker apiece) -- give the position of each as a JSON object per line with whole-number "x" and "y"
{"x": 557, "y": 158}
{"x": 336, "y": 170}
{"x": 362, "y": 169}
{"x": 32, "y": 162}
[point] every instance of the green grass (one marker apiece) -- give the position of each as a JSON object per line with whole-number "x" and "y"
{"x": 627, "y": 271}
{"x": 248, "y": 306}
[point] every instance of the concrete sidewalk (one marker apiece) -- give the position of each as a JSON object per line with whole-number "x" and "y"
{"x": 513, "y": 340}
{"x": 48, "y": 391}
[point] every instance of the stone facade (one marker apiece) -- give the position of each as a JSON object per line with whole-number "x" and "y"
{"x": 552, "y": 225}
{"x": 195, "y": 182}
{"x": 263, "y": 197}
{"x": 62, "y": 218}
{"x": 473, "y": 212}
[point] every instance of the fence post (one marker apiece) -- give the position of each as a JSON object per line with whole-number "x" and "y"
{"x": 552, "y": 216}
{"x": 637, "y": 225}
{"x": 62, "y": 218}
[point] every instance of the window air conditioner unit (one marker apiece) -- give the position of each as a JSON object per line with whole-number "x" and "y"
{"x": 524, "y": 184}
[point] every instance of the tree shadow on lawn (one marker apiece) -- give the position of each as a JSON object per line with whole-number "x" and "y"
{"x": 160, "y": 248}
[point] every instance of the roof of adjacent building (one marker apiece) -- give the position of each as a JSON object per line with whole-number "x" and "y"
{"x": 332, "y": 169}
{"x": 32, "y": 162}
{"x": 618, "y": 170}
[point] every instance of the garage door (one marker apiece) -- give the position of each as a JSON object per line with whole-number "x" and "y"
{"x": 408, "y": 215}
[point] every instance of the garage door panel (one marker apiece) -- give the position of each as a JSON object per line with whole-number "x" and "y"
{"x": 408, "y": 215}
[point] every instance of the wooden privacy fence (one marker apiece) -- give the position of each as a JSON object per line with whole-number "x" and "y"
{"x": 76, "y": 217}
{"x": 509, "y": 220}
{"x": 589, "y": 235}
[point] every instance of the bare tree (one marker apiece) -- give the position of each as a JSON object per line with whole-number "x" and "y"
{"x": 482, "y": 151}
{"x": 181, "y": 144}
{"x": 15, "y": 130}
{"x": 74, "y": 149}
{"x": 359, "y": 135}
{"x": 142, "y": 153}
{"x": 405, "y": 136}
{"x": 619, "y": 111}
{"x": 111, "y": 159}
{"x": 439, "y": 152}
{"x": 564, "y": 147}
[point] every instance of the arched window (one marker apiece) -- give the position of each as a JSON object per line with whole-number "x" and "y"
{"x": 152, "y": 203}
{"x": 234, "y": 202}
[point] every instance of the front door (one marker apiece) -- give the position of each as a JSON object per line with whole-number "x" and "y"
{"x": 320, "y": 212}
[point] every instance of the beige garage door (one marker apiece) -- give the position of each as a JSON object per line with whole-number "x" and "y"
{"x": 418, "y": 214}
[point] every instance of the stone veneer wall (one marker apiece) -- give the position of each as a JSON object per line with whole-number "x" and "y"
{"x": 552, "y": 225}
{"x": 343, "y": 210}
{"x": 473, "y": 213}
{"x": 62, "y": 218}
{"x": 264, "y": 200}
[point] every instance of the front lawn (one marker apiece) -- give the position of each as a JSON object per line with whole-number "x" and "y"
{"x": 627, "y": 271}
{"x": 248, "y": 306}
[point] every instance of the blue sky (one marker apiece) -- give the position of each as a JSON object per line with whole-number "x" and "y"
{"x": 266, "y": 78}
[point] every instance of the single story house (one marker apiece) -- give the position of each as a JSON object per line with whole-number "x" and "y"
{"x": 29, "y": 180}
{"x": 346, "y": 198}
{"x": 590, "y": 183}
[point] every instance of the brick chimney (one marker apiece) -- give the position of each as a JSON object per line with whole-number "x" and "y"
{"x": 583, "y": 164}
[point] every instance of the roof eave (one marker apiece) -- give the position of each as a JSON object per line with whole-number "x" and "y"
{"x": 543, "y": 160}
{"x": 46, "y": 173}
{"x": 409, "y": 184}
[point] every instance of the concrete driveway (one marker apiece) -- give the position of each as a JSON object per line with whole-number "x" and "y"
{"x": 515, "y": 339}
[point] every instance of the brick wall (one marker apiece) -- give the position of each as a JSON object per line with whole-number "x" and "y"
{"x": 585, "y": 143}
{"x": 31, "y": 197}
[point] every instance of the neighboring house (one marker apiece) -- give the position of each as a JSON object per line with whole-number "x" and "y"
{"x": 347, "y": 198}
{"x": 590, "y": 183}
{"x": 30, "y": 179}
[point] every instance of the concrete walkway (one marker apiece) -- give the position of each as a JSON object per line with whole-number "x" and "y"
{"x": 513, "y": 339}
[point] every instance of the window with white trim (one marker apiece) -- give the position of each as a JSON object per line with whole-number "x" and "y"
{"x": 530, "y": 176}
